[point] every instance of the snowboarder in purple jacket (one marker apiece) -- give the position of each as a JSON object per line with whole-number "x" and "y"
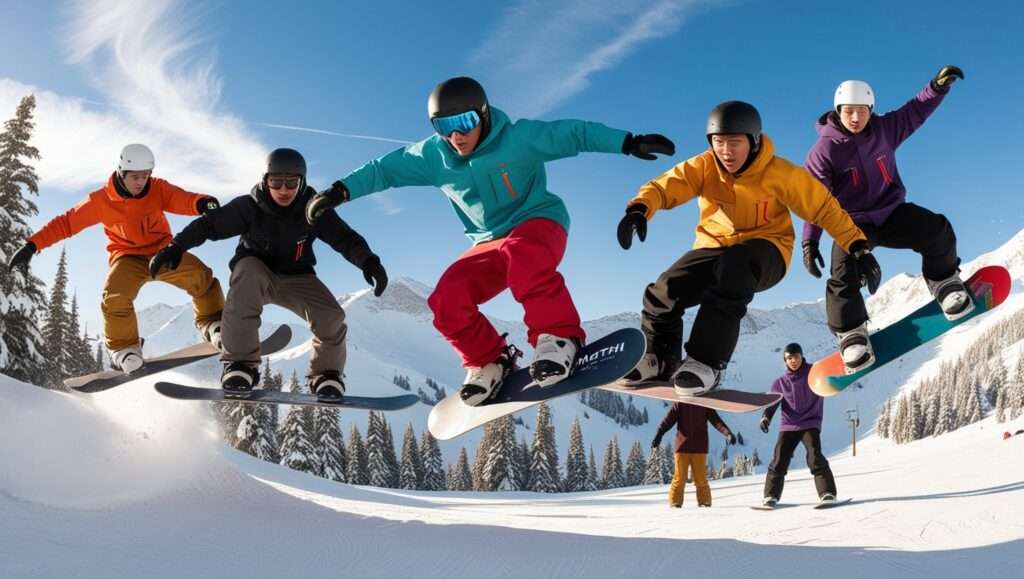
{"x": 855, "y": 158}
{"x": 801, "y": 423}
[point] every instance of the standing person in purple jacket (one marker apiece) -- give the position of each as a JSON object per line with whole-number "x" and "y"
{"x": 855, "y": 158}
{"x": 691, "y": 448}
{"x": 801, "y": 422}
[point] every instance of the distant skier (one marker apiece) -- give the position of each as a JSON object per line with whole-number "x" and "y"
{"x": 131, "y": 207}
{"x": 801, "y": 423}
{"x": 273, "y": 264}
{"x": 743, "y": 245}
{"x": 855, "y": 158}
{"x": 492, "y": 171}
{"x": 691, "y": 448}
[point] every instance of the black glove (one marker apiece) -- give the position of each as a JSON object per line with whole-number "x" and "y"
{"x": 169, "y": 256}
{"x": 656, "y": 442}
{"x": 731, "y": 439}
{"x": 812, "y": 257}
{"x": 207, "y": 204}
{"x": 633, "y": 221}
{"x": 374, "y": 274}
{"x": 867, "y": 265}
{"x": 645, "y": 146}
{"x": 325, "y": 201}
{"x": 765, "y": 421}
{"x": 22, "y": 256}
{"x": 946, "y": 76}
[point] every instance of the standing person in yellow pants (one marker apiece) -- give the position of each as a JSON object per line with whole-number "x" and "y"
{"x": 691, "y": 448}
{"x": 131, "y": 208}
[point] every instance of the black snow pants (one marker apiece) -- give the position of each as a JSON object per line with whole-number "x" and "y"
{"x": 824, "y": 482}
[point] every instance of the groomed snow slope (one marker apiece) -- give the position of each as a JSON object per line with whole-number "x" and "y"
{"x": 131, "y": 486}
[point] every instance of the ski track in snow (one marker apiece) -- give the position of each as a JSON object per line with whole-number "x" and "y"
{"x": 128, "y": 485}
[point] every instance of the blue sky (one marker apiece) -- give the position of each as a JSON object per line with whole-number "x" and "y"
{"x": 204, "y": 83}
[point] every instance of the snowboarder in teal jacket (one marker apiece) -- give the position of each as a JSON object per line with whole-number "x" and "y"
{"x": 492, "y": 171}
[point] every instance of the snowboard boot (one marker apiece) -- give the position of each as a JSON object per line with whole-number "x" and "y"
{"x": 952, "y": 297}
{"x": 210, "y": 331}
{"x": 694, "y": 378}
{"x": 827, "y": 499}
{"x": 855, "y": 349}
{"x": 769, "y": 502}
{"x": 650, "y": 368}
{"x": 553, "y": 359}
{"x": 239, "y": 378}
{"x": 328, "y": 387}
{"x": 481, "y": 384}
{"x": 128, "y": 359}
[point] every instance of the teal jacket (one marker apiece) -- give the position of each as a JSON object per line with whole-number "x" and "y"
{"x": 502, "y": 183}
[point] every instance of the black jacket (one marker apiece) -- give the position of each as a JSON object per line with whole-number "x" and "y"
{"x": 279, "y": 236}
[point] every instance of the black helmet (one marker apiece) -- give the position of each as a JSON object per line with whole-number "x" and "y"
{"x": 459, "y": 95}
{"x": 793, "y": 348}
{"x": 285, "y": 162}
{"x": 736, "y": 118}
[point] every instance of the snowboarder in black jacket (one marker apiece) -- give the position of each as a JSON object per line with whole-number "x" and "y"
{"x": 273, "y": 264}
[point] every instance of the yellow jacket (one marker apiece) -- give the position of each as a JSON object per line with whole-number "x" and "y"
{"x": 754, "y": 205}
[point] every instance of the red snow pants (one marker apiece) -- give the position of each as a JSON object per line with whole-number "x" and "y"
{"x": 524, "y": 261}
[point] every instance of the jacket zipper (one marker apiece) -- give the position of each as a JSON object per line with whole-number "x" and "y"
{"x": 298, "y": 250}
{"x": 885, "y": 172}
{"x": 508, "y": 184}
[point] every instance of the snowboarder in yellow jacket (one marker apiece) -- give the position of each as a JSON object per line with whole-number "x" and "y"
{"x": 743, "y": 246}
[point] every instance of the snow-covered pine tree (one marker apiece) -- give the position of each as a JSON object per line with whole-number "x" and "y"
{"x": 410, "y": 471}
{"x": 612, "y": 475}
{"x": 297, "y": 452}
{"x": 462, "y": 478}
{"x": 55, "y": 328}
{"x": 974, "y": 403}
{"x": 358, "y": 461}
{"x": 1000, "y": 408}
{"x": 652, "y": 475}
{"x": 636, "y": 465}
{"x": 884, "y": 419}
{"x": 997, "y": 379}
{"x": 331, "y": 454}
{"x": 99, "y": 362}
{"x": 593, "y": 480}
{"x": 521, "y": 464}
{"x": 900, "y": 423}
{"x": 755, "y": 461}
{"x": 498, "y": 474}
{"x": 376, "y": 453}
{"x": 430, "y": 458}
{"x": 544, "y": 475}
{"x": 576, "y": 460}
{"x": 480, "y": 458}
{"x": 916, "y": 417}
{"x": 22, "y": 295}
{"x": 1015, "y": 394}
{"x": 668, "y": 464}
{"x": 254, "y": 437}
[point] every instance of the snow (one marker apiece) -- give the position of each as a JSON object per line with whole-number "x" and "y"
{"x": 134, "y": 487}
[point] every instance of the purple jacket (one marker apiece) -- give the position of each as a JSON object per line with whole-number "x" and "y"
{"x": 801, "y": 407}
{"x": 860, "y": 170}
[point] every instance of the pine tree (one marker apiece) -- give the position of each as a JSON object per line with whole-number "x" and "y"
{"x": 81, "y": 361}
{"x": 916, "y": 417}
{"x": 100, "y": 363}
{"x": 576, "y": 460}
{"x": 652, "y": 476}
{"x": 755, "y": 461}
{"x": 55, "y": 328}
{"x": 1001, "y": 406}
{"x": 544, "y": 475}
{"x": 498, "y": 474}
{"x": 410, "y": 472}
{"x": 997, "y": 380}
{"x": 358, "y": 460}
{"x": 593, "y": 481}
{"x": 380, "y": 451}
{"x": 331, "y": 454}
{"x": 22, "y": 295}
{"x": 252, "y": 435}
{"x": 636, "y": 465}
{"x": 433, "y": 471}
{"x": 521, "y": 464}
{"x": 883, "y": 421}
{"x": 297, "y": 452}
{"x": 462, "y": 478}
{"x": 668, "y": 465}
{"x": 612, "y": 475}
{"x": 480, "y": 459}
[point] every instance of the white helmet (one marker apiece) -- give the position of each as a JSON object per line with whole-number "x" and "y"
{"x": 854, "y": 92}
{"x": 135, "y": 157}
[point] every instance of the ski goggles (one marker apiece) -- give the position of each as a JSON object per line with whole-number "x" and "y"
{"x": 460, "y": 123}
{"x": 283, "y": 182}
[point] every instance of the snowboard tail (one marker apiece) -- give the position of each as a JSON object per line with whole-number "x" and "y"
{"x": 722, "y": 400}
{"x": 107, "y": 379}
{"x": 597, "y": 363}
{"x": 386, "y": 404}
{"x": 989, "y": 287}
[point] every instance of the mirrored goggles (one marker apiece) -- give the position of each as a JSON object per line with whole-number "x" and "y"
{"x": 460, "y": 123}
{"x": 283, "y": 182}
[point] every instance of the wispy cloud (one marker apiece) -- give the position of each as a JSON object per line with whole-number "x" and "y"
{"x": 543, "y": 53}
{"x": 336, "y": 134}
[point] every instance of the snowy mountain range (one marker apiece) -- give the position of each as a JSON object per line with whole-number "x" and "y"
{"x": 393, "y": 335}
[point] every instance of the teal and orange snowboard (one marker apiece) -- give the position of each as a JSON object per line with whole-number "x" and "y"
{"x": 989, "y": 287}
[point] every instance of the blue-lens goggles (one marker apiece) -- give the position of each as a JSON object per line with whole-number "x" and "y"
{"x": 460, "y": 123}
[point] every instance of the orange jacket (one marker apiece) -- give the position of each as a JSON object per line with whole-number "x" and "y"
{"x": 754, "y": 205}
{"x": 134, "y": 226}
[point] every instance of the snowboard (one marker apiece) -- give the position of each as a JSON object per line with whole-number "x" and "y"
{"x": 816, "y": 506}
{"x": 989, "y": 287}
{"x": 386, "y": 403}
{"x": 107, "y": 379}
{"x": 597, "y": 363}
{"x": 720, "y": 400}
